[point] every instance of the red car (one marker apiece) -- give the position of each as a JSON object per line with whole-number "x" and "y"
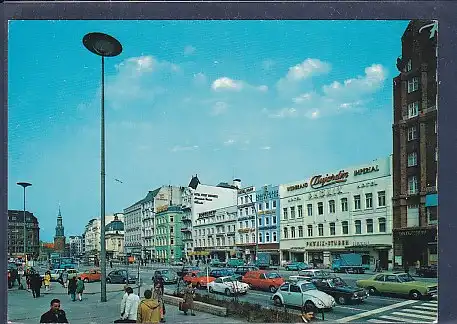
{"x": 263, "y": 280}
{"x": 198, "y": 279}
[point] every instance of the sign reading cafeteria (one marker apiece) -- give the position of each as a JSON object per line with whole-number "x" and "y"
{"x": 320, "y": 181}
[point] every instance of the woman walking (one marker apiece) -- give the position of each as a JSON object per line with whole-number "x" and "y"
{"x": 80, "y": 288}
{"x": 158, "y": 295}
{"x": 65, "y": 278}
{"x": 72, "y": 288}
{"x": 47, "y": 280}
{"x": 189, "y": 294}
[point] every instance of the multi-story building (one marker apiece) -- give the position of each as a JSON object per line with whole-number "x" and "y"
{"x": 198, "y": 198}
{"x": 214, "y": 233}
{"x": 133, "y": 225}
{"x": 92, "y": 235}
{"x": 333, "y": 213}
{"x": 415, "y": 151}
{"x": 76, "y": 246}
{"x": 16, "y": 234}
{"x": 246, "y": 237}
{"x": 114, "y": 237}
{"x": 268, "y": 218}
{"x": 168, "y": 238}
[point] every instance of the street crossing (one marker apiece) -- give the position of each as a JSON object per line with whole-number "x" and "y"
{"x": 426, "y": 312}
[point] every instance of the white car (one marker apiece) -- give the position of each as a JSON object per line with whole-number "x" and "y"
{"x": 302, "y": 293}
{"x": 311, "y": 273}
{"x": 228, "y": 286}
{"x": 55, "y": 274}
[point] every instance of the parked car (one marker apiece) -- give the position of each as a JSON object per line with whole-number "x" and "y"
{"x": 263, "y": 280}
{"x": 198, "y": 279}
{"x": 296, "y": 266}
{"x": 311, "y": 273}
{"x": 216, "y": 263}
{"x": 169, "y": 276}
{"x": 120, "y": 276}
{"x": 185, "y": 270}
{"x": 302, "y": 293}
{"x": 217, "y": 273}
{"x": 235, "y": 262}
{"x": 242, "y": 270}
{"x": 177, "y": 263}
{"x": 340, "y": 290}
{"x": 91, "y": 275}
{"x": 399, "y": 283}
{"x": 228, "y": 286}
{"x": 430, "y": 271}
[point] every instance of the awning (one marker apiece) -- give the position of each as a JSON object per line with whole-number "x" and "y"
{"x": 431, "y": 200}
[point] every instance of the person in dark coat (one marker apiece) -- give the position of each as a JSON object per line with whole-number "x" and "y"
{"x": 35, "y": 284}
{"x": 55, "y": 314}
{"x": 160, "y": 282}
{"x": 72, "y": 288}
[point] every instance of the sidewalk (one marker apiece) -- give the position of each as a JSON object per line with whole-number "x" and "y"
{"x": 90, "y": 289}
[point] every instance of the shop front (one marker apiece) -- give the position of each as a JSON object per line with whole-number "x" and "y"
{"x": 415, "y": 244}
{"x": 273, "y": 250}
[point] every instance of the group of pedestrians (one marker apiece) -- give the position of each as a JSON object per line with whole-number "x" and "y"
{"x": 76, "y": 288}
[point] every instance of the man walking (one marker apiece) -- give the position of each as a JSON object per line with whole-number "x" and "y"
{"x": 131, "y": 307}
{"x": 35, "y": 284}
{"x": 149, "y": 309}
{"x": 55, "y": 314}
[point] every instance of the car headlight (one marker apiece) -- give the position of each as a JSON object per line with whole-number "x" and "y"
{"x": 355, "y": 294}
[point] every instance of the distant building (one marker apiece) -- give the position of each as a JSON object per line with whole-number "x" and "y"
{"x": 246, "y": 240}
{"x": 92, "y": 234}
{"x": 76, "y": 245}
{"x": 59, "y": 238}
{"x": 16, "y": 234}
{"x": 114, "y": 236}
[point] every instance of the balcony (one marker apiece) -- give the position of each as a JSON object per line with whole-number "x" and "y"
{"x": 186, "y": 230}
{"x": 246, "y": 230}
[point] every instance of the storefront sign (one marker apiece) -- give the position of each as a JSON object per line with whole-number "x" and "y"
{"x": 161, "y": 209}
{"x": 326, "y": 192}
{"x": 429, "y": 234}
{"x": 361, "y": 243}
{"x": 267, "y": 195}
{"x": 294, "y": 199}
{"x": 328, "y": 243}
{"x": 367, "y": 184}
{"x": 245, "y": 190}
{"x": 298, "y": 186}
{"x": 320, "y": 181}
{"x": 366, "y": 170}
{"x": 207, "y": 214}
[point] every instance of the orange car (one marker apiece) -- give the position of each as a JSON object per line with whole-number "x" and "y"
{"x": 91, "y": 275}
{"x": 263, "y": 280}
{"x": 198, "y": 279}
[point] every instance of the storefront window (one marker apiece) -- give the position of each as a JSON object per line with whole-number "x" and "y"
{"x": 345, "y": 226}
{"x": 344, "y": 204}
{"x": 320, "y": 228}
{"x": 332, "y": 228}
{"x": 300, "y": 231}
{"x": 310, "y": 230}
{"x": 369, "y": 226}
{"x": 358, "y": 227}
{"x": 382, "y": 225}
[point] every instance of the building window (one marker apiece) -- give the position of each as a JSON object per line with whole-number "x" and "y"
{"x": 300, "y": 231}
{"x": 412, "y": 133}
{"x": 357, "y": 202}
{"x": 412, "y": 216}
{"x": 292, "y": 212}
{"x": 310, "y": 209}
{"x": 310, "y": 230}
{"x": 274, "y": 237}
{"x": 241, "y": 200}
{"x": 358, "y": 227}
{"x": 260, "y": 237}
{"x": 274, "y": 203}
{"x": 267, "y": 205}
{"x": 246, "y": 210}
{"x": 284, "y": 210}
{"x": 320, "y": 208}
{"x": 300, "y": 211}
{"x": 432, "y": 215}
{"x": 413, "y": 84}
{"x": 286, "y": 233}
{"x": 241, "y": 239}
{"x": 345, "y": 226}
{"x": 331, "y": 206}
{"x": 267, "y": 237}
{"x": 260, "y": 206}
{"x": 292, "y": 232}
{"x": 253, "y": 238}
{"x": 273, "y": 220}
{"x": 320, "y": 229}
{"x": 368, "y": 200}
{"x": 413, "y": 109}
{"x": 381, "y": 198}
{"x": 332, "y": 229}
{"x": 412, "y": 159}
{"x": 252, "y": 210}
{"x": 344, "y": 204}
{"x": 412, "y": 185}
{"x": 382, "y": 225}
{"x": 369, "y": 226}
{"x": 260, "y": 221}
{"x": 409, "y": 66}
{"x": 253, "y": 223}
{"x": 267, "y": 220}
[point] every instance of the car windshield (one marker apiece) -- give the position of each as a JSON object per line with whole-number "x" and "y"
{"x": 405, "y": 277}
{"x": 336, "y": 282}
{"x": 273, "y": 275}
{"x": 163, "y": 271}
{"x": 307, "y": 286}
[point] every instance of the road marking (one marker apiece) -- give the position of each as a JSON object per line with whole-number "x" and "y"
{"x": 401, "y": 320}
{"x": 433, "y": 301}
{"x": 351, "y": 308}
{"x": 425, "y": 307}
{"x": 430, "y": 318}
{"x": 419, "y": 312}
{"x": 379, "y": 321}
{"x": 429, "y": 304}
{"x": 375, "y": 311}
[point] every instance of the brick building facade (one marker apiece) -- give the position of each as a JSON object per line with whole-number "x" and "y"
{"x": 16, "y": 234}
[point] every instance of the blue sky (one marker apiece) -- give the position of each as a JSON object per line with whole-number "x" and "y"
{"x": 269, "y": 102}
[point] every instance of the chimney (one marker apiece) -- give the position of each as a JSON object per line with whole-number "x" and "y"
{"x": 237, "y": 183}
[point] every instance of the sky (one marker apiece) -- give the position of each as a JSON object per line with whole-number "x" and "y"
{"x": 269, "y": 102}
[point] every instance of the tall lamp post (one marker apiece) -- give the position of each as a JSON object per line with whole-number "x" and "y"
{"x": 102, "y": 45}
{"x": 25, "y": 185}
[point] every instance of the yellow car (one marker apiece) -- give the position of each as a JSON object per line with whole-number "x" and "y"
{"x": 399, "y": 283}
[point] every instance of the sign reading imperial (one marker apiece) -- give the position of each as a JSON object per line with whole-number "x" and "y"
{"x": 366, "y": 170}
{"x": 321, "y": 181}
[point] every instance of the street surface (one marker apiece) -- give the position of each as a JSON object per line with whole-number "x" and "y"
{"x": 376, "y": 309}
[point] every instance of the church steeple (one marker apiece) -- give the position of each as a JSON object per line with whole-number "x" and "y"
{"x": 59, "y": 228}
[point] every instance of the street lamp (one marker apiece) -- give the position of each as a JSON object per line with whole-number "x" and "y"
{"x": 25, "y": 185}
{"x": 102, "y": 45}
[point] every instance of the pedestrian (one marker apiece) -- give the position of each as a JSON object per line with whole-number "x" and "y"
{"x": 418, "y": 266}
{"x": 20, "y": 274}
{"x": 47, "y": 280}
{"x": 80, "y": 288}
{"x": 35, "y": 284}
{"x": 131, "y": 307}
{"x": 55, "y": 314}
{"x": 124, "y": 300}
{"x": 149, "y": 309}
{"x": 158, "y": 280}
{"x": 308, "y": 313}
{"x": 65, "y": 278}
{"x": 10, "y": 280}
{"x": 111, "y": 264}
{"x": 72, "y": 288}
{"x": 158, "y": 295}
{"x": 188, "y": 302}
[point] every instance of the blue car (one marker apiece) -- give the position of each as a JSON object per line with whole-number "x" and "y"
{"x": 297, "y": 266}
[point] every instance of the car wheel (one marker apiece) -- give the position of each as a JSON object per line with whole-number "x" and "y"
{"x": 199, "y": 286}
{"x": 309, "y": 305}
{"x": 211, "y": 290}
{"x": 277, "y": 301}
{"x": 250, "y": 286}
{"x": 108, "y": 280}
{"x": 414, "y": 294}
{"x": 86, "y": 280}
{"x": 227, "y": 292}
{"x": 372, "y": 291}
{"x": 273, "y": 289}
{"x": 341, "y": 300}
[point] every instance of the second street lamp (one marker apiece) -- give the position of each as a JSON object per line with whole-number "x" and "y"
{"x": 25, "y": 185}
{"x": 102, "y": 45}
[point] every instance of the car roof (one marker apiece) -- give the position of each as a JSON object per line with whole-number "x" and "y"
{"x": 225, "y": 277}
{"x": 392, "y": 273}
{"x": 299, "y": 282}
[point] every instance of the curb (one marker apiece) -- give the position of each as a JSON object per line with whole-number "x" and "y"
{"x": 84, "y": 293}
{"x": 198, "y": 306}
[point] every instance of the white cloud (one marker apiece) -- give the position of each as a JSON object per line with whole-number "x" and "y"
{"x": 179, "y": 148}
{"x": 303, "y": 97}
{"x": 282, "y": 113}
{"x": 307, "y": 69}
{"x": 229, "y": 142}
{"x": 266, "y": 148}
{"x": 225, "y": 83}
{"x": 189, "y": 50}
{"x": 219, "y": 108}
{"x": 263, "y": 88}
